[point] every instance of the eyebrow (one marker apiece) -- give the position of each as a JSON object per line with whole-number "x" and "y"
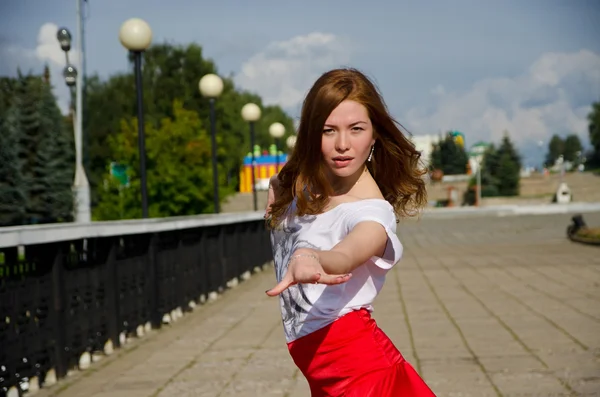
{"x": 351, "y": 125}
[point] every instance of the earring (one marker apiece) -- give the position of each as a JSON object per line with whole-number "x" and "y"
{"x": 371, "y": 154}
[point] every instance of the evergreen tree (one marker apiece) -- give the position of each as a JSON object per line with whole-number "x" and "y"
{"x": 594, "y": 131}
{"x": 55, "y": 160}
{"x": 44, "y": 153}
{"x": 508, "y": 172}
{"x": 489, "y": 179}
{"x": 453, "y": 157}
{"x": 436, "y": 158}
{"x": 13, "y": 199}
{"x": 27, "y": 92}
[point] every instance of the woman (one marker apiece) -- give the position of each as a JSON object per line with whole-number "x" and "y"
{"x": 332, "y": 214}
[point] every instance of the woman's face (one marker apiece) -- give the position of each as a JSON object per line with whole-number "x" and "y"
{"x": 347, "y": 139}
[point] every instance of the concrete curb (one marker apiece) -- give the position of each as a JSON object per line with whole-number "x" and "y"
{"x": 510, "y": 210}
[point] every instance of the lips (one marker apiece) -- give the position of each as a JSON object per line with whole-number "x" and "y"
{"x": 342, "y": 161}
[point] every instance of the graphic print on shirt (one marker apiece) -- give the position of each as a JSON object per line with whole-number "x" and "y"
{"x": 294, "y": 301}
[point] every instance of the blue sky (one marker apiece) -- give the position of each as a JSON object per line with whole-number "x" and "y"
{"x": 481, "y": 67}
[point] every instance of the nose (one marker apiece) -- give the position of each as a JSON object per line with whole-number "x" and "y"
{"x": 342, "y": 143}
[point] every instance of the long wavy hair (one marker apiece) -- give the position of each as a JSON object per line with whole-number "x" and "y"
{"x": 395, "y": 165}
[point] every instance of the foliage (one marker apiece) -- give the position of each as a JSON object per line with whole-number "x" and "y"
{"x": 171, "y": 73}
{"x": 450, "y": 157}
{"x": 570, "y": 148}
{"x": 13, "y": 198}
{"x": 36, "y": 155}
{"x": 179, "y": 173}
{"x": 500, "y": 172}
{"x": 594, "y": 131}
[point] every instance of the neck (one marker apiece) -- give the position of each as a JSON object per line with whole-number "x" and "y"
{"x": 342, "y": 185}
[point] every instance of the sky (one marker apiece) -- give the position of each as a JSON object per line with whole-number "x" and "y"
{"x": 481, "y": 67}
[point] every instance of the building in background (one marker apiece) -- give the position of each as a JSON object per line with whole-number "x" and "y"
{"x": 424, "y": 144}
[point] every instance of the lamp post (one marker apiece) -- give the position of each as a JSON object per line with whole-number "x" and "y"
{"x": 276, "y": 130}
{"x": 479, "y": 163}
{"x": 291, "y": 142}
{"x": 81, "y": 186}
{"x": 211, "y": 86}
{"x": 135, "y": 35}
{"x": 251, "y": 114}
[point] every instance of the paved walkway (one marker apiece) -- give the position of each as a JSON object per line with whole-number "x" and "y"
{"x": 498, "y": 306}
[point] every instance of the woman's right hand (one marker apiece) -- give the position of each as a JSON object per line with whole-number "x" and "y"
{"x": 305, "y": 268}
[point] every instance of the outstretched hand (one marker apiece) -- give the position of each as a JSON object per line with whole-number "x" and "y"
{"x": 304, "y": 268}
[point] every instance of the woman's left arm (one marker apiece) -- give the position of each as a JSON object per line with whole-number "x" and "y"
{"x": 367, "y": 239}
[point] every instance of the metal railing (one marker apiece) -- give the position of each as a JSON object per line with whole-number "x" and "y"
{"x": 69, "y": 291}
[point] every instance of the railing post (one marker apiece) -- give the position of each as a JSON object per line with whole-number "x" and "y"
{"x": 112, "y": 287}
{"x": 58, "y": 306}
{"x": 222, "y": 259}
{"x": 152, "y": 265}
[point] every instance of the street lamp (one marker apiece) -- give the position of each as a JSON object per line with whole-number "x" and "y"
{"x": 276, "y": 130}
{"x": 211, "y": 86}
{"x": 251, "y": 114}
{"x": 291, "y": 142}
{"x": 136, "y": 36}
{"x": 479, "y": 164}
{"x": 81, "y": 186}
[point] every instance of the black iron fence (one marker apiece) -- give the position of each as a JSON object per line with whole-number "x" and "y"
{"x": 69, "y": 290}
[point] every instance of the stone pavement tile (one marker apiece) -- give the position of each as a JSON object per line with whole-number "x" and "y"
{"x": 124, "y": 393}
{"x": 266, "y": 367}
{"x": 258, "y": 388}
{"x": 519, "y": 373}
{"x": 193, "y": 388}
{"x": 299, "y": 388}
{"x": 456, "y": 378}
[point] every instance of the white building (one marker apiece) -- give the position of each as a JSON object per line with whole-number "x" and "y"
{"x": 424, "y": 144}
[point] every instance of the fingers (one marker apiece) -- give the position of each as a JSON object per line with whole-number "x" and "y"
{"x": 279, "y": 288}
{"x": 333, "y": 279}
{"x": 287, "y": 282}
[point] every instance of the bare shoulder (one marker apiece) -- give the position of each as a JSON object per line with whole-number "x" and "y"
{"x": 369, "y": 191}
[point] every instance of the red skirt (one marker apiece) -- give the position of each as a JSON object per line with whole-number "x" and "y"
{"x": 352, "y": 357}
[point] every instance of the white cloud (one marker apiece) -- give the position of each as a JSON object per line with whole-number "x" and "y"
{"x": 283, "y": 72}
{"x": 553, "y": 96}
{"x": 47, "y": 51}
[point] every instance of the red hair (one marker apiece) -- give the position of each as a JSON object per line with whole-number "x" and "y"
{"x": 395, "y": 164}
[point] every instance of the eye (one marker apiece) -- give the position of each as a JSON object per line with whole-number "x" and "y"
{"x": 327, "y": 131}
{"x": 357, "y": 129}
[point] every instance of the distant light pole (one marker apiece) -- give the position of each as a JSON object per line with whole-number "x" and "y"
{"x": 81, "y": 186}
{"x": 541, "y": 146}
{"x": 251, "y": 114}
{"x": 479, "y": 164}
{"x": 291, "y": 142}
{"x": 277, "y": 130}
{"x": 135, "y": 35}
{"x": 211, "y": 86}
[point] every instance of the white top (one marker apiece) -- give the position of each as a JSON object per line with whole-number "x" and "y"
{"x": 306, "y": 308}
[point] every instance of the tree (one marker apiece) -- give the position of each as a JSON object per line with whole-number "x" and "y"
{"x": 594, "y": 131}
{"x": 500, "y": 172}
{"x": 13, "y": 198}
{"x": 573, "y": 149}
{"x": 171, "y": 73}
{"x": 556, "y": 148}
{"x": 508, "y": 169}
{"x": 178, "y": 169}
{"x": 448, "y": 156}
{"x": 54, "y": 160}
{"x": 35, "y": 153}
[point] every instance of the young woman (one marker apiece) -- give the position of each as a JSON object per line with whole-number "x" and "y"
{"x": 332, "y": 214}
